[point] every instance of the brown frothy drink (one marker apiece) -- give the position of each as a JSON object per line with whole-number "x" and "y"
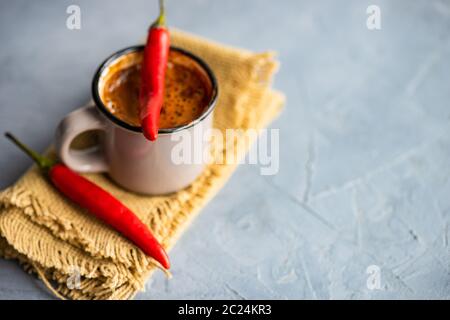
{"x": 187, "y": 93}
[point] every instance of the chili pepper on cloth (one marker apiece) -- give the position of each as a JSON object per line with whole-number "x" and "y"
{"x": 153, "y": 72}
{"x": 98, "y": 202}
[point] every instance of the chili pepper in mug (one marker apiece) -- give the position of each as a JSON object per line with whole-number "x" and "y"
{"x": 98, "y": 202}
{"x": 153, "y": 72}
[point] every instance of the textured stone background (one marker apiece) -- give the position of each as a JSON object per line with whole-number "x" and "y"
{"x": 365, "y": 142}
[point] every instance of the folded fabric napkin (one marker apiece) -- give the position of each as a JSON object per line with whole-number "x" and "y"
{"x": 53, "y": 237}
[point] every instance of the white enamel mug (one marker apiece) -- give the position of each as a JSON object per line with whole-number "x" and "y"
{"x": 131, "y": 160}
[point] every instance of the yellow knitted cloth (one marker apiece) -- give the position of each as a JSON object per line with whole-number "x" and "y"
{"x": 53, "y": 237}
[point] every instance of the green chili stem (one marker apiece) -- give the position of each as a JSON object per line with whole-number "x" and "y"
{"x": 161, "y": 21}
{"x": 43, "y": 162}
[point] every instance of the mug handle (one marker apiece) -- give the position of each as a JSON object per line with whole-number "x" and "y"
{"x": 75, "y": 123}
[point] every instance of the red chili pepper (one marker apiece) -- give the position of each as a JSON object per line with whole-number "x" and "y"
{"x": 153, "y": 73}
{"x": 98, "y": 202}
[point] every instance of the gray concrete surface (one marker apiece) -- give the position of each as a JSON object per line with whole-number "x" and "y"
{"x": 365, "y": 143}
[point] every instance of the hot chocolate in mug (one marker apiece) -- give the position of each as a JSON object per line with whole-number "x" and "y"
{"x": 131, "y": 160}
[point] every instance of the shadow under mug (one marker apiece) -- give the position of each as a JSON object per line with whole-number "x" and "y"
{"x": 124, "y": 153}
